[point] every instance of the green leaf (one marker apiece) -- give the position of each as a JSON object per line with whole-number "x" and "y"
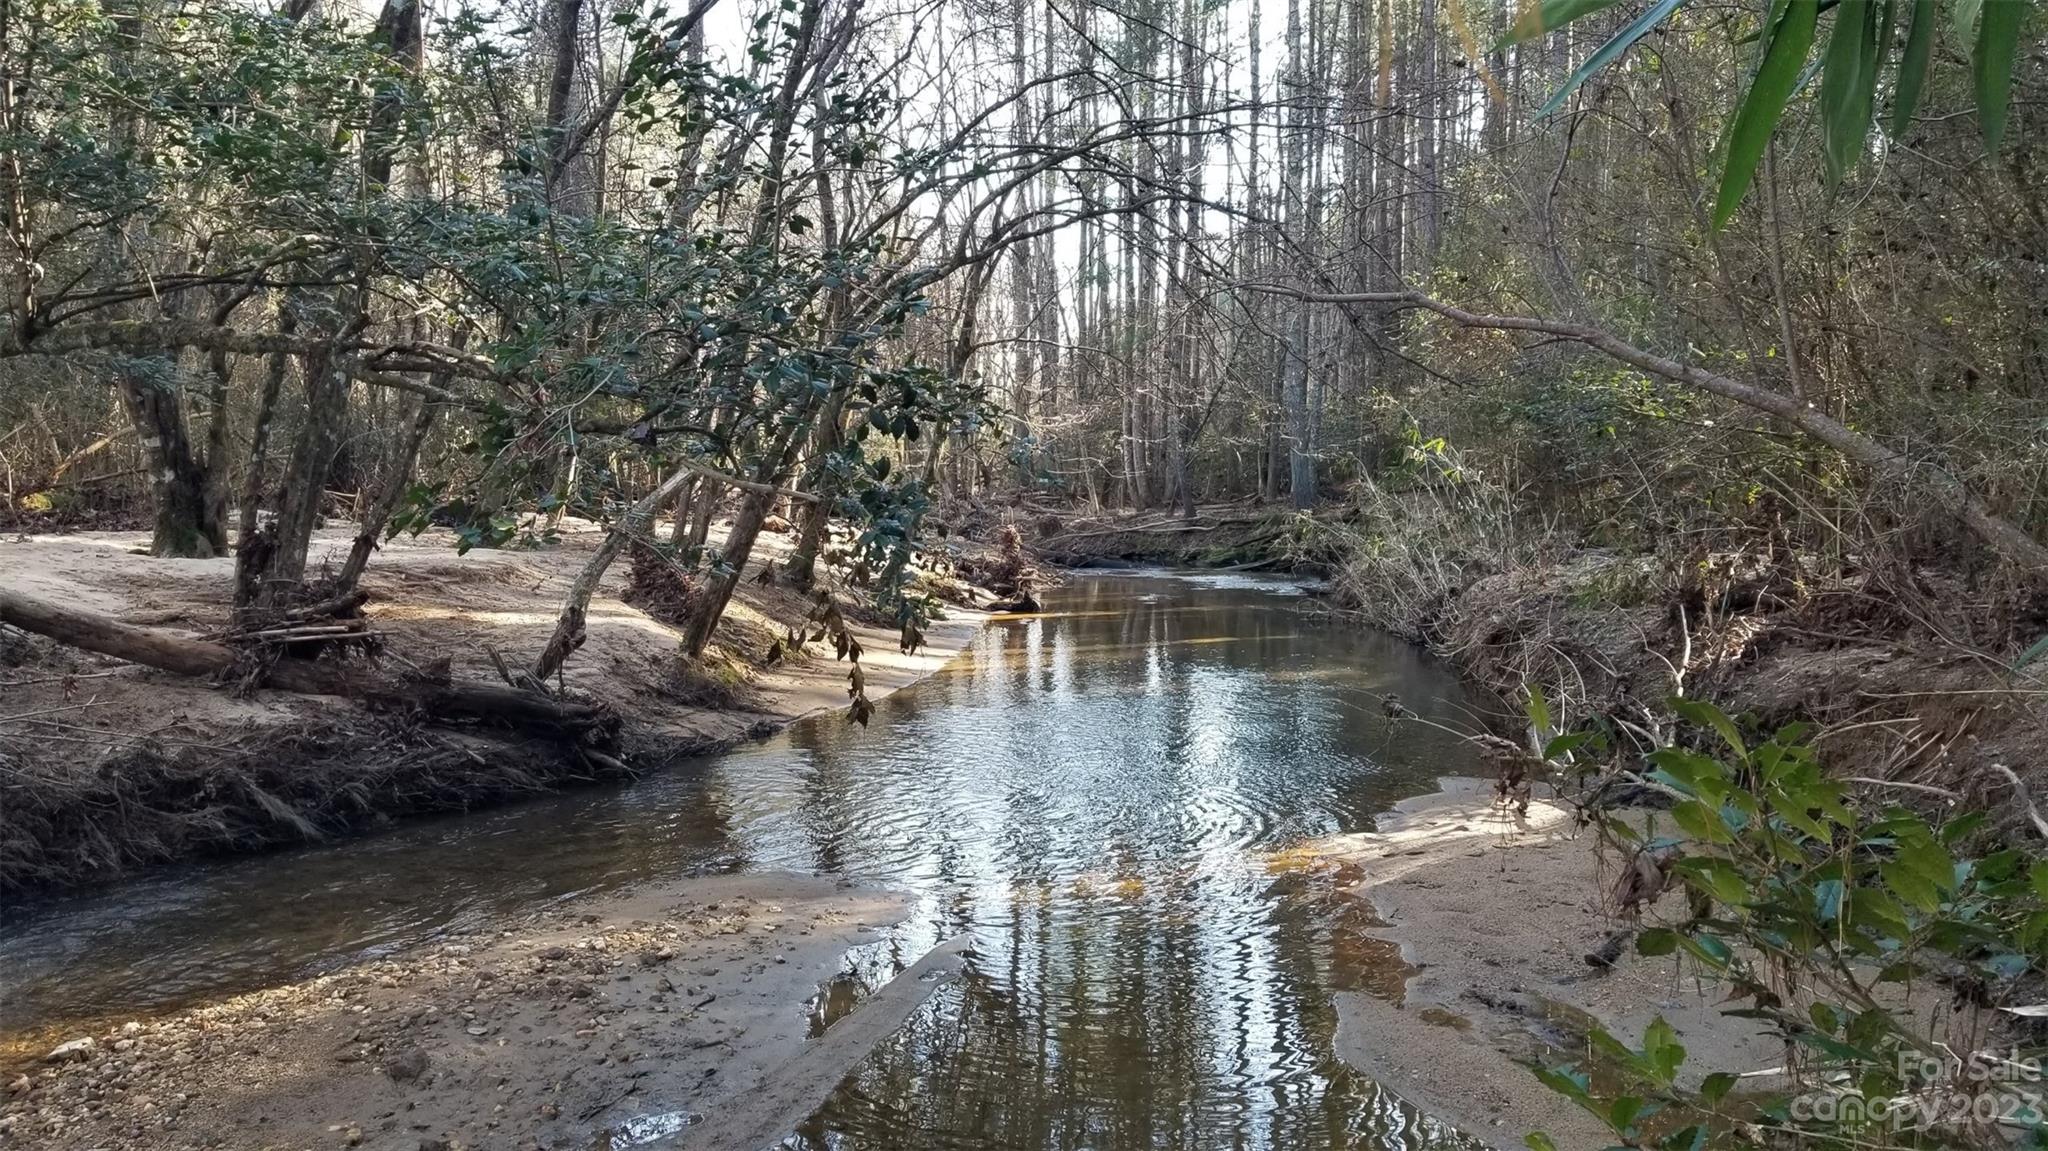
{"x": 1707, "y": 715}
{"x": 1564, "y": 744}
{"x": 1998, "y": 41}
{"x": 1963, "y": 825}
{"x": 1693, "y": 1138}
{"x": 1824, "y": 1018}
{"x": 1621, "y": 1114}
{"x": 1656, "y": 941}
{"x": 1910, "y": 886}
{"x": 1827, "y": 900}
{"x": 1662, "y": 1050}
{"x": 1573, "y": 1085}
{"x": 1701, "y": 822}
{"x": 1690, "y": 773}
{"x": 1537, "y": 19}
{"x": 1607, "y": 53}
{"x": 1906, "y": 95}
{"x": 1848, "y": 86}
{"x": 1966, "y": 20}
{"x": 1715, "y": 1087}
{"x": 1538, "y": 1141}
{"x": 1538, "y": 710}
{"x": 1870, "y": 1027}
{"x": 1870, "y": 907}
{"x": 1707, "y": 949}
{"x": 2039, "y": 649}
{"x": 1930, "y": 860}
{"x": 1715, "y": 877}
{"x": 1835, "y": 1047}
{"x": 1776, "y": 78}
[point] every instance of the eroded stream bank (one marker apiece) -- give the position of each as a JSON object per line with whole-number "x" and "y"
{"x": 1089, "y": 800}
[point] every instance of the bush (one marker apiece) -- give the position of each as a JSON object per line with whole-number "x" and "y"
{"x": 1821, "y": 912}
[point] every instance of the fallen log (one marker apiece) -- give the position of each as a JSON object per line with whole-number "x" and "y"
{"x": 437, "y": 697}
{"x": 1157, "y": 526}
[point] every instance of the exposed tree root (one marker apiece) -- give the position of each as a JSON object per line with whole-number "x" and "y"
{"x": 183, "y": 792}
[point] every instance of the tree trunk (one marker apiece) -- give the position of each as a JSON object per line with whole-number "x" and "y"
{"x": 148, "y": 385}
{"x": 803, "y": 563}
{"x": 569, "y": 633}
{"x": 739, "y": 545}
{"x": 185, "y": 520}
{"x": 391, "y": 489}
{"x": 530, "y": 712}
{"x": 305, "y": 480}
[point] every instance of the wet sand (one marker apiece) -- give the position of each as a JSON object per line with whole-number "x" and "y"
{"x": 674, "y": 1012}
{"x": 1495, "y": 914}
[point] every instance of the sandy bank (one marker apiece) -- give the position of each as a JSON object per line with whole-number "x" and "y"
{"x": 106, "y": 766}
{"x": 682, "y": 1011}
{"x": 1494, "y": 916}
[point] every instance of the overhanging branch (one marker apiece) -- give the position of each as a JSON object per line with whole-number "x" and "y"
{"x": 1953, "y": 496}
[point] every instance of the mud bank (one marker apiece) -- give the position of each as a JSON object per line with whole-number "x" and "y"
{"x": 683, "y": 1014}
{"x": 106, "y": 767}
{"x": 1915, "y": 677}
{"x": 1493, "y": 916}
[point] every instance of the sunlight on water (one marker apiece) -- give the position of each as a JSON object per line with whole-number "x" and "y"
{"x": 1090, "y": 794}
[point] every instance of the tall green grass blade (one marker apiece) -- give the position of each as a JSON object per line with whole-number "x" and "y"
{"x": 1791, "y": 38}
{"x": 1848, "y": 86}
{"x": 1913, "y": 66}
{"x": 1548, "y": 16}
{"x": 1966, "y": 20}
{"x": 1611, "y": 51}
{"x": 1998, "y": 42}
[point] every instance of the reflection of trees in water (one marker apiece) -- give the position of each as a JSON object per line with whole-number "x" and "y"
{"x": 1106, "y": 1031}
{"x": 1088, "y": 793}
{"x": 1132, "y": 986}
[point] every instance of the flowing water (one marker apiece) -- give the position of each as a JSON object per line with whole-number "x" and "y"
{"x": 1094, "y": 796}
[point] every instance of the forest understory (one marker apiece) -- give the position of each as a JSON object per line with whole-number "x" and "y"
{"x": 1909, "y": 670}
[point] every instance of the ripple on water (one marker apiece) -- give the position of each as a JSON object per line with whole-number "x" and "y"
{"x": 1089, "y": 794}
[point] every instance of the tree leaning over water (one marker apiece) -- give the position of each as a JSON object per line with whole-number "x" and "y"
{"x": 482, "y": 267}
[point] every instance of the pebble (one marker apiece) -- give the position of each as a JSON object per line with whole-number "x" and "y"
{"x": 80, "y": 1048}
{"x": 407, "y": 1065}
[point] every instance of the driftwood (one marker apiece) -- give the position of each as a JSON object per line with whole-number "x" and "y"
{"x": 439, "y": 698}
{"x": 1162, "y": 526}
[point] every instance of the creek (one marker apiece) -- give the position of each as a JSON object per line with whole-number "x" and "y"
{"x": 1099, "y": 797}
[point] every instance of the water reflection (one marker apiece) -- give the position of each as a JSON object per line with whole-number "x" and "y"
{"x": 1090, "y": 798}
{"x": 1089, "y": 794}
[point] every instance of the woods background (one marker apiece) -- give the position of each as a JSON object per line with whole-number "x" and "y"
{"x": 1451, "y": 263}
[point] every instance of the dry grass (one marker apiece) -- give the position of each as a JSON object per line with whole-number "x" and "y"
{"x": 1406, "y": 555}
